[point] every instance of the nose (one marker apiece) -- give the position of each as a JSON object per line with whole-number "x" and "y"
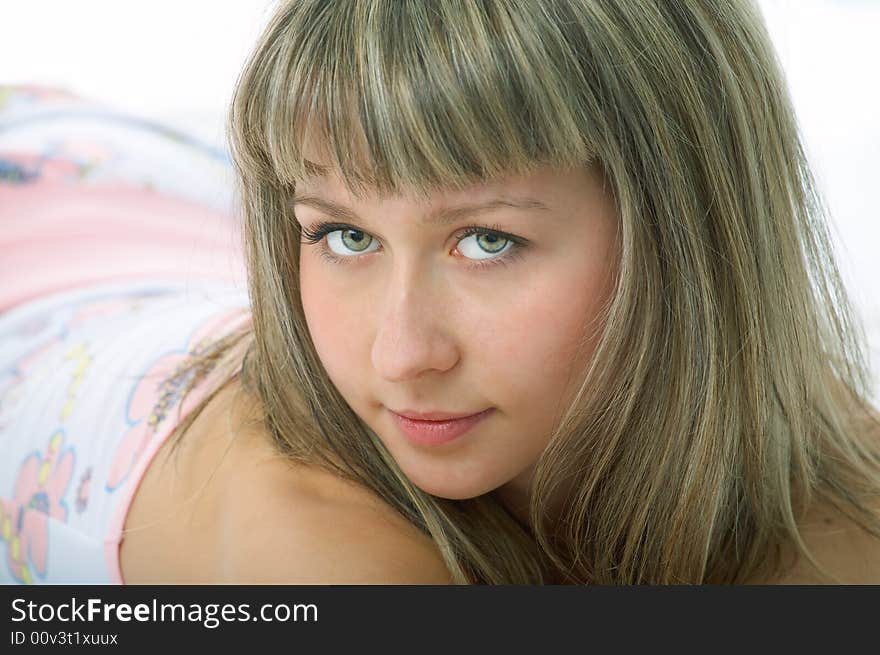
{"x": 414, "y": 332}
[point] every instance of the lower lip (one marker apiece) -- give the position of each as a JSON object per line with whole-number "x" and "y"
{"x": 434, "y": 433}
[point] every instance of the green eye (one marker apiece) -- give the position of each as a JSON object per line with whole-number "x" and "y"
{"x": 479, "y": 244}
{"x": 355, "y": 240}
{"x": 347, "y": 241}
{"x": 491, "y": 243}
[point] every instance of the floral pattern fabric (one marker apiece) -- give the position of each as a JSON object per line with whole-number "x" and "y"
{"x": 111, "y": 274}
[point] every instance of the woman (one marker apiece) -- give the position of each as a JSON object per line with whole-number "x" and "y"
{"x": 664, "y": 382}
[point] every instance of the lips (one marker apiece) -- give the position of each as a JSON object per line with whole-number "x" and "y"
{"x": 431, "y": 416}
{"x": 431, "y": 432}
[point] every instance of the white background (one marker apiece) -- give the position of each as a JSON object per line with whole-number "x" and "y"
{"x": 177, "y": 61}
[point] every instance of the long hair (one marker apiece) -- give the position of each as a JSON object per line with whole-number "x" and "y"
{"x": 729, "y": 389}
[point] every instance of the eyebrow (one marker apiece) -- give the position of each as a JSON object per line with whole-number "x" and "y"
{"x": 315, "y": 170}
{"x": 441, "y": 216}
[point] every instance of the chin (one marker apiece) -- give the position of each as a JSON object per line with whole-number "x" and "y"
{"x": 452, "y": 490}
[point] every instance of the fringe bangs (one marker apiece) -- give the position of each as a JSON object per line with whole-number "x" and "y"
{"x": 397, "y": 103}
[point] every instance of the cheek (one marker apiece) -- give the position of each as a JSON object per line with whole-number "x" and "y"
{"x": 537, "y": 343}
{"x": 330, "y": 316}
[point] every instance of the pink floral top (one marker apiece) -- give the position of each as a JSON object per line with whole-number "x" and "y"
{"x": 86, "y": 399}
{"x": 119, "y": 255}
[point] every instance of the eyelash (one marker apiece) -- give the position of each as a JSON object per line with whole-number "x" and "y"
{"x": 317, "y": 234}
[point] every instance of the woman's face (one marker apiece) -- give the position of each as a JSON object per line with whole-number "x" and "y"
{"x": 416, "y": 315}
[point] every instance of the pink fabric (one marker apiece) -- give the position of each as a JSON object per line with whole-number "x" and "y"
{"x": 90, "y": 195}
{"x": 136, "y": 221}
{"x": 59, "y": 236}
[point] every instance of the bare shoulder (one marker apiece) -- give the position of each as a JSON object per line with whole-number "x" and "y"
{"x": 840, "y": 544}
{"x": 287, "y": 523}
{"x": 229, "y": 508}
{"x": 303, "y": 536}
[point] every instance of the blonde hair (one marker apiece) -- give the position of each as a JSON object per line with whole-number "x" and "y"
{"x": 729, "y": 388}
